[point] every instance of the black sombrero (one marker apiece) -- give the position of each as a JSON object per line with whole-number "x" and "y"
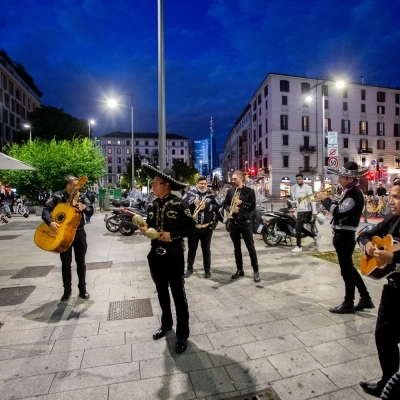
{"x": 167, "y": 174}
{"x": 349, "y": 169}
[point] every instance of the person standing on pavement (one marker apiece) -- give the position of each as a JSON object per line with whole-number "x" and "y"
{"x": 380, "y": 191}
{"x": 306, "y": 211}
{"x": 170, "y": 216}
{"x": 79, "y": 244}
{"x": 387, "y": 330}
{"x": 203, "y": 207}
{"x": 346, "y": 211}
{"x": 92, "y": 198}
{"x": 240, "y": 201}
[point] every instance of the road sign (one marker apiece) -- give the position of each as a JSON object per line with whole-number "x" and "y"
{"x": 332, "y": 138}
{"x": 333, "y": 162}
{"x": 332, "y": 151}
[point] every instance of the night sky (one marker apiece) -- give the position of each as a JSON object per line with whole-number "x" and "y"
{"x": 217, "y": 53}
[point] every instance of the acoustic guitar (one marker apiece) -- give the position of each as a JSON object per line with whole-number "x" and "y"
{"x": 371, "y": 266}
{"x": 68, "y": 217}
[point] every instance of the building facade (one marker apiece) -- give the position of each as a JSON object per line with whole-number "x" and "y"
{"x": 280, "y": 132}
{"x": 17, "y": 99}
{"x": 117, "y": 148}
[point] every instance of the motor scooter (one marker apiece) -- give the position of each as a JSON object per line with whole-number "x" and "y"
{"x": 20, "y": 208}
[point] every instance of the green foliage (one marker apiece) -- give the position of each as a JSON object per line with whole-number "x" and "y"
{"x": 53, "y": 162}
{"x": 188, "y": 174}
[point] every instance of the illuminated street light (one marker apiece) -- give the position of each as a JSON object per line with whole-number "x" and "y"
{"x": 91, "y": 122}
{"x": 28, "y": 126}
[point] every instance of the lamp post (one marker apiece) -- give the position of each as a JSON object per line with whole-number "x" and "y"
{"x": 339, "y": 84}
{"x": 30, "y": 131}
{"x": 113, "y": 103}
{"x": 91, "y": 122}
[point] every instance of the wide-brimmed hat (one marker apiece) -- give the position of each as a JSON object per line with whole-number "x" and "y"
{"x": 349, "y": 169}
{"x": 166, "y": 174}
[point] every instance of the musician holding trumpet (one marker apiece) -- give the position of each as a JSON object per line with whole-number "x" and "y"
{"x": 239, "y": 202}
{"x": 203, "y": 206}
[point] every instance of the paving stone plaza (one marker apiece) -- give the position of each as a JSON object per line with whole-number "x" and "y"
{"x": 245, "y": 338}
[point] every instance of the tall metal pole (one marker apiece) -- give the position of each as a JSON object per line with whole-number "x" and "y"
{"x": 89, "y": 129}
{"x": 323, "y": 139}
{"x": 133, "y": 156}
{"x": 161, "y": 88}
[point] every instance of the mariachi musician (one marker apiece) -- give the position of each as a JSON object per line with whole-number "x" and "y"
{"x": 79, "y": 243}
{"x": 203, "y": 207}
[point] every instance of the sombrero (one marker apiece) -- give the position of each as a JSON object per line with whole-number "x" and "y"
{"x": 167, "y": 174}
{"x": 349, "y": 170}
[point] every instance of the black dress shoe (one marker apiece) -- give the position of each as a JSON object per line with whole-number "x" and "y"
{"x": 239, "y": 272}
{"x": 363, "y": 304}
{"x": 188, "y": 272}
{"x": 181, "y": 346}
{"x": 161, "y": 332}
{"x": 343, "y": 308}
{"x": 207, "y": 274}
{"x": 257, "y": 277}
{"x": 66, "y": 295}
{"x": 84, "y": 295}
{"x": 373, "y": 389}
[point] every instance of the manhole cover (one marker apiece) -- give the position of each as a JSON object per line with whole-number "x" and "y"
{"x": 99, "y": 265}
{"x": 33, "y": 272}
{"x": 129, "y": 309}
{"x": 266, "y": 394}
{"x": 8, "y": 237}
{"x": 13, "y": 296}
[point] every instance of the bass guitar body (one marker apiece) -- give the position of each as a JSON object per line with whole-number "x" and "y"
{"x": 68, "y": 218}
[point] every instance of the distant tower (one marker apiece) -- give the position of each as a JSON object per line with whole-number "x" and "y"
{"x": 211, "y": 145}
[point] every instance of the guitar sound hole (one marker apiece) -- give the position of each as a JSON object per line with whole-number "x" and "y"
{"x": 60, "y": 217}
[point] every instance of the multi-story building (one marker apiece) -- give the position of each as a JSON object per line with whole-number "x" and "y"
{"x": 280, "y": 134}
{"x": 17, "y": 99}
{"x": 117, "y": 148}
{"x": 204, "y": 155}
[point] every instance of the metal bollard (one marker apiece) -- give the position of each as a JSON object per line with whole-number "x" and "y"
{"x": 272, "y": 207}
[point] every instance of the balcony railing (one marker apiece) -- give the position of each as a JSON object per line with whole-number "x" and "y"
{"x": 369, "y": 150}
{"x": 308, "y": 149}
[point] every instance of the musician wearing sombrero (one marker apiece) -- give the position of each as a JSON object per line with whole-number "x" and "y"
{"x": 169, "y": 215}
{"x": 346, "y": 211}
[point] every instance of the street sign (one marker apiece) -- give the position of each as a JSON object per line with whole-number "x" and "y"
{"x": 332, "y": 151}
{"x": 332, "y": 138}
{"x": 333, "y": 162}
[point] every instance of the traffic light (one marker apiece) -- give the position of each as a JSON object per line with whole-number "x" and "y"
{"x": 371, "y": 175}
{"x": 252, "y": 172}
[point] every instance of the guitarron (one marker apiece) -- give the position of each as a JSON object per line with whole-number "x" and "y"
{"x": 68, "y": 217}
{"x": 371, "y": 266}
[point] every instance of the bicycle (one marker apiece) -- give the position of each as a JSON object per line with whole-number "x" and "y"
{"x": 376, "y": 206}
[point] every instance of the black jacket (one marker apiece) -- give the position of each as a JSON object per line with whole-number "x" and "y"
{"x": 207, "y": 215}
{"x": 248, "y": 197}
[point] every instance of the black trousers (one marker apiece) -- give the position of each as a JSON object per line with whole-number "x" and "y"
{"x": 303, "y": 217}
{"x": 204, "y": 236}
{"x": 344, "y": 244}
{"x": 80, "y": 247}
{"x": 387, "y": 332}
{"x": 168, "y": 269}
{"x": 245, "y": 229}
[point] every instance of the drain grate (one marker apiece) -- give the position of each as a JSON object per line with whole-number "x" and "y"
{"x": 129, "y": 309}
{"x": 33, "y": 272}
{"x": 266, "y": 394}
{"x": 8, "y": 237}
{"x": 99, "y": 265}
{"x": 13, "y": 296}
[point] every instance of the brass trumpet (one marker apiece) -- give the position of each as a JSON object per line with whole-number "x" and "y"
{"x": 198, "y": 208}
{"x": 330, "y": 191}
{"x": 234, "y": 198}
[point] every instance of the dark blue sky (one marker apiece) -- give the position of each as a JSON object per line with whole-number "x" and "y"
{"x": 217, "y": 52}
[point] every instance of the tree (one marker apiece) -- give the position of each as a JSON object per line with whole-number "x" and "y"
{"x": 48, "y": 122}
{"x": 53, "y": 162}
{"x": 187, "y": 173}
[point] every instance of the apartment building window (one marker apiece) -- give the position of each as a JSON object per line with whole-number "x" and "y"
{"x": 285, "y": 140}
{"x": 156, "y": 143}
{"x": 173, "y": 144}
{"x": 307, "y": 163}
{"x": 266, "y": 104}
{"x": 284, "y": 122}
{"x": 284, "y": 100}
{"x": 136, "y": 142}
{"x": 397, "y": 111}
{"x": 326, "y": 104}
{"x": 285, "y": 161}
{"x": 345, "y": 106}
{"x": 109, "y": 170}
{"x": 266, "y": 143}
{"x": 119, "y": 150}
{"x": 380, "y": 144}
{"x": 259, "y": 130}
{"x": 259, "y": 149}
{"x": 345, "y": 143}
{"x": 128, "y": 151}
{"x": 325, "y": 88}
{"x": 182, "y": 152}
{"x": 109, "y": 160}
{"x": 397, "y": 145}
{"x": 146, "y": 151}
{"x": 305, "y": 88}
{"x": 265, "y": 162}
{"x": 6, "y": 100}
{"x": 397, "y": 98}
{"x": 266, "y": 91}
{"x": 345, "y": 93}
{"x": 362, "y": 107}
{"x": 346, "y": 126}
{"x": 266, "y": 125}
{"x": 254, "y": 135}
{"x": 305, "y": 124}
{"x": 284, "y": 85}
{"x": 109, "y": 151}
{"x": 380, "y": 96}
{"x": 345, "y": 160}
{"x": 118, "y": 160}
{"x": 118, "y": 142}
{"x": 397, "y": 162}
{"x": 182, "y": 144}
{"x": 259, "y": 99}
{"x": 259, "y": 111}
{"x": 328, "y": 126}
{"x": 118, "y": 169}
{"x": 396, "y": 130}
{"x": 380, "y": 109}
{"x": 364, "y": 144}
{"x": 363, "y": 127}
{"x": 380, "y": 129}
{"x": 254, "y": 106}
{"x": 108, "y": 141}
{"x": 137, "y": 151}
{"x": 362, "y": 94}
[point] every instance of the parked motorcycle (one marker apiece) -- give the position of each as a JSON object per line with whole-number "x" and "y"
{"x": 113, "y": 220}
{"x": 21, "y": 209}
{"x": 282, "y": 225}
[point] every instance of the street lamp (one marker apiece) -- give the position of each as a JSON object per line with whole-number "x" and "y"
{"x": 30, "y": 131}
{"x": 338, "y": 84}
{"x": 91, "y": 122}
{"x": 113, "y": 103}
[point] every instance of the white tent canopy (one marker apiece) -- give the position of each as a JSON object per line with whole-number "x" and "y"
{"x": 7, "y": 162}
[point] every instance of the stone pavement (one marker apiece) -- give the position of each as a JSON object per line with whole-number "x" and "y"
{"x": 245, "y": 337}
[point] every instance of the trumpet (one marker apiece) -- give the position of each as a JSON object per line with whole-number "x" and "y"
{"x": 198, "y": 208}
{"x": 233, "y": 205}
{"x": 330, "y": 191}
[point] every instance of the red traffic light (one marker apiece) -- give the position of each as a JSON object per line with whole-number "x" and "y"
{"x": 371, "y": 175}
